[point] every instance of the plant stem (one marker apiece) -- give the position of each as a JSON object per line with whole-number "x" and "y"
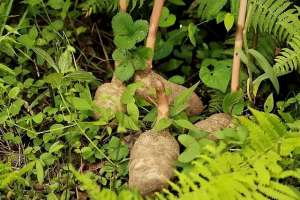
{"x": 6, "y": 16}
{"x": 162, "y": 101}
{"x": 153, "y": 27}
{"x": 235, "y": 78}
{"x": 123, "y": 5}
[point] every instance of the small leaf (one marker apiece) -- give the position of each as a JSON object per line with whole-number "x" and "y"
{"x": 166, "y": 19}
{"x": 233, "y": 103}
{"x": 55, "y": 147}
{"x": 125, "y": 71}
{"x": 188, "y": 125}
{"x": 190, "y": 153}
{"x": 13, "y": 93}
{"x": 39, "y": 171}
{"x": 44, "y": 55}
{"x": 6, "y": 69}
{"x": 162, "y": 124}
{"x": 133, "y": 111}
{"x": 228, "y": 21}
{"x": 38, "y": 118}
{"x": 81, "y": 103}
{"x": 191, "y": 32}
{"x": 177, "y": 79}
{"x": 269, "y": 103}
{"x": 186, "y": 140}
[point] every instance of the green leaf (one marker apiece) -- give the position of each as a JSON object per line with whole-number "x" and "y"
{"x": 233, "y": 103}
{"x": 177, "y": 2}
{"x": 56, "y": 4}
{"x": 216, "y": 74}
{"x": 192, "y": 29}
{"x": 162, "y": 124}
{"x": 124, "y": 71}
{"x": 133, "y": 111}
{"x": 265, "y": 65}
{"x": 186, "y": 140}
{"x": 6, "y": 69}
{"x": 177, "y": 79}
{"x": 65, "y": 62}
{"x": 38, "y": 118}
{"x": 190, "y": 153}
{"x": 269, "y": 104}
{"x": 45, "y": 56}
{"x": 81, "y": 103}
{"x": 39, "y": 171}
{"x": 228, "y": 21}
{"x": 188, "y": 125}
{"x": 166, "y": 19}
{"x": 128, "y": 95}
{"x": 13, "y": 93}
{"x": 180, "y": 102}
{"x": 56, "y": 147}
{"x": 127, "y": 32}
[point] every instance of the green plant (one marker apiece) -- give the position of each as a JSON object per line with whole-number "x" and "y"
{"x": 259, "y": 169}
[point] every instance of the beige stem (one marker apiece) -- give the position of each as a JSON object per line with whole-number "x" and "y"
{"x": 123, "y": 5}
{"x": 153, "y": 27}
{"x": 162, "y": 100}
{"x": 235, "y": 78}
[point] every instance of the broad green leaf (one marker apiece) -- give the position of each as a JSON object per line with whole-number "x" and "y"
{"x": 128, "y": 95}
{"x": 188, "y": 125}
{"x": 186, "y": 140}
{"x": 166, "y": 19}
{"x": 228, "y": 21}
{"x": 39, "y": 171}
{"x": 80, "y": 76}
{"x": 216, "y": 74}
{"x": 269, "y": 103}
{"x": 190, "y": 153}
{"x": 220, "y": 17}
{"x": 177, "y": 2}
{"x": 265, "y": 65}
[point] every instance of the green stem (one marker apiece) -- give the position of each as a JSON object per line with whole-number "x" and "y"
{"x": 6, "y": 16}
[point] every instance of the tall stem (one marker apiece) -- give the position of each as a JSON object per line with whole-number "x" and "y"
{"x": 162, "y": 100}
{"x": 153, "y": 27}
{"x": 235, "y": 77}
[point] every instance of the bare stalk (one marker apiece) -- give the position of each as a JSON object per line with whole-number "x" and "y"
{"x": 153, "y": 27}
{"x": 123, "y": 5}
{"x": 162, "y": 100}
{"x": 235, "y": 78}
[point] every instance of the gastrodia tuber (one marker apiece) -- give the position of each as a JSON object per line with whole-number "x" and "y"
{"x": 195, "y": 105}
{"x": 153, "y": 156}
{"x": 108, "y": 95}
{"x": 214, "y": 123}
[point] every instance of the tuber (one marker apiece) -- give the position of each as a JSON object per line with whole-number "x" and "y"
{"x": 108, "y": 95}
{"x": 214, "y": 123}
{"x": 195, "y": 105}
{"x": 153, "y": 156}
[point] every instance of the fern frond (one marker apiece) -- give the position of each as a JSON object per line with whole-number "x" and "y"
{"x": 251, "y": 173}
{"x": 275, "y": 17}
{"x": 289, "y": 58}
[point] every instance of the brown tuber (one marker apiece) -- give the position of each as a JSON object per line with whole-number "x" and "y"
{"x": 194, "y": 104}
{"x": 153, "y": 156}
{"x": 214, "y": 123}
{"x": 108, "y": 96}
